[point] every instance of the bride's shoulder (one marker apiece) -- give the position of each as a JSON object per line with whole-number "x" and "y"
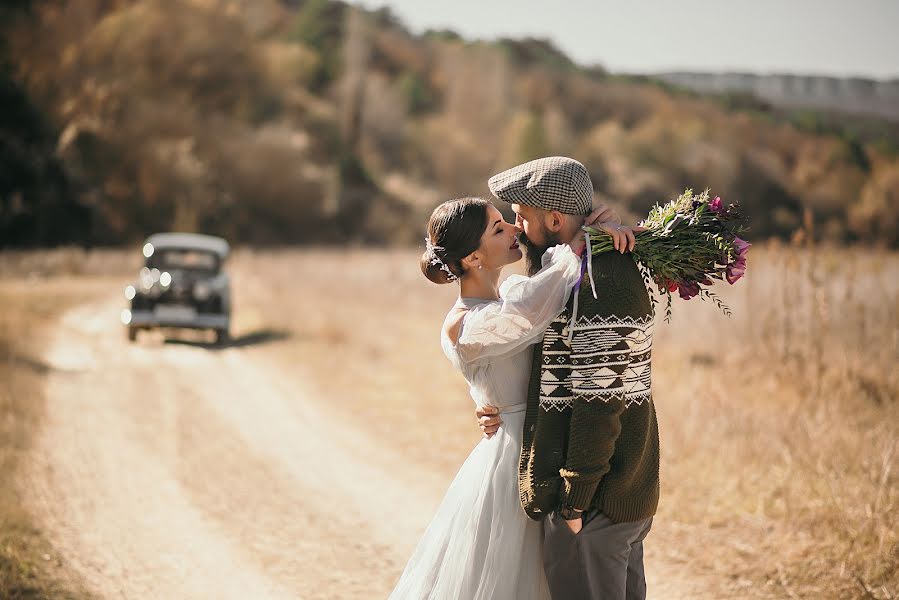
{"x": 511, "y": 282}
{"x": 452, "y": 325}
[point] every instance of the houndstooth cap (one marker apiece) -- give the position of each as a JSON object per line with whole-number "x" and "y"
{"x": 552, "y": 183}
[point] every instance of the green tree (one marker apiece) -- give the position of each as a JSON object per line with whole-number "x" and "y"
{"x": 319, "y": 25}
{"x": 534, "y": 143}
{"x": 417, "y": 94}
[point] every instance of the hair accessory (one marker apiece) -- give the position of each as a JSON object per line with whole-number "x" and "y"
{"x": 436, "y": 260}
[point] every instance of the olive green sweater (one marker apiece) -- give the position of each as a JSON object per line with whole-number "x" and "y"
{"x": 590, "y": 432}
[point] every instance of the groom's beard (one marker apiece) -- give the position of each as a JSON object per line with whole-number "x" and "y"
{"x": 533, "y": 254}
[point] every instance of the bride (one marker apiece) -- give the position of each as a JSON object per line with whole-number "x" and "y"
{"x": 480, "y": 545}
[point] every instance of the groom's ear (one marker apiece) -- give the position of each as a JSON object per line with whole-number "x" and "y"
{"x": 554, "y": 220}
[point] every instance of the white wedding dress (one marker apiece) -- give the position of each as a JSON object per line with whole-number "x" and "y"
{"x": 480, "y": 545}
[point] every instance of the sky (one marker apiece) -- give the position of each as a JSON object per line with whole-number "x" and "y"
{"x": 823, "y": 37}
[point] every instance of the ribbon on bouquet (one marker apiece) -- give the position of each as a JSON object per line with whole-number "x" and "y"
{"x": 586, "y": 268}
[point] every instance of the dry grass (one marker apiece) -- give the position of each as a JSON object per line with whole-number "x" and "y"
{"x": 779, "y": 426}
{"x": 364, "y": 332}
{"x": 67, "y": 263}
{"x": 780, "y": 429}
{"x": 29, "y": 567}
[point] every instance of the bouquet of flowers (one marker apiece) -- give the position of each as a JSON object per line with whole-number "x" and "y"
{"x": 689, "y": 242}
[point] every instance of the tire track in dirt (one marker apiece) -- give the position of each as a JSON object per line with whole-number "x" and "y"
{"x": 174, "y": 471}
{"x": 178, "y": 471}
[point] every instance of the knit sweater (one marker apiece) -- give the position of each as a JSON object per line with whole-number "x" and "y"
{"x": 590, "y": 431}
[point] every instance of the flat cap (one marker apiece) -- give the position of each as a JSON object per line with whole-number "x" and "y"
{"x": 552, "y": 183}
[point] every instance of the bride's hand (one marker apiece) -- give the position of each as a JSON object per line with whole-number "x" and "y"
{"x": 606, "y": 218}
{"x": 488, "y": 420}
{"x": 623, "y": 238}
{"x": 602, "y": 213}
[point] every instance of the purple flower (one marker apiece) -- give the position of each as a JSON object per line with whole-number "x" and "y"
{"x": 716, "y": 205}
{"x": 688, "y": 290}
{"x": 736, "y": 270}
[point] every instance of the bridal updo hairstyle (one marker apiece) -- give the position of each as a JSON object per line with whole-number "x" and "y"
{"x": 455, "y": 231}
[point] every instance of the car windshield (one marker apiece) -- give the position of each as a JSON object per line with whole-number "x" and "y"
{"x": 183, "y": 258}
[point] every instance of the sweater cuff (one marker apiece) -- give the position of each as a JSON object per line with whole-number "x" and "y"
{"x": 579, "y": 494}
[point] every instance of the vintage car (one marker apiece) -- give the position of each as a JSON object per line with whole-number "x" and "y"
{"x": 181, "y": 285}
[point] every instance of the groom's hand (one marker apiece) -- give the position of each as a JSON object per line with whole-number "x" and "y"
{"x": 488, "y": 420}
{"x": 575, "y": 525}
{"x": 574, "y": 519}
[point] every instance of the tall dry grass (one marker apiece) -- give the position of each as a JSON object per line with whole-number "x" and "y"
{"x": 779, "y": 425}
{"x": 364, "y": 340}
{"x": 779, "y": 428}
{"x": 69, "y": 266}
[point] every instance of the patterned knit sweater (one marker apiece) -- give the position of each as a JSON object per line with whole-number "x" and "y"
{"x": 590, "y": 432}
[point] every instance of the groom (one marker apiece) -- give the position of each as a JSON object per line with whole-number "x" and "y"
{"x": 589, "y": 463}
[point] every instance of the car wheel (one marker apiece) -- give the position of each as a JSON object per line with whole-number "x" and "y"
{"x": 221, "y": 337}
{"x": 132, "y": 334}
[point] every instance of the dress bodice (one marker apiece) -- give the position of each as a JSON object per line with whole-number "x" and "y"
{"x": 493, "y": 351}
{"x": 501, "y": 381}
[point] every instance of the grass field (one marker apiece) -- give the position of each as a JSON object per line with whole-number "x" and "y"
{"x": 780, "y": 428}
{"x": 779, "y": 425}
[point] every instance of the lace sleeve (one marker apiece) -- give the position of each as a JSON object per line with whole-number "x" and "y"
{"x": 527, "y": 306}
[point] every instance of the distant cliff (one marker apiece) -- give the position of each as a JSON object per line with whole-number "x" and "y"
{"x": 855, "y": 95}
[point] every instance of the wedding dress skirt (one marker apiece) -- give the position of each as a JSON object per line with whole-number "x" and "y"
{"x": 480, "y": 545}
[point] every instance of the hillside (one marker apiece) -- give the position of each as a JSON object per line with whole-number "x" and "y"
{"x": 276, "y": 122}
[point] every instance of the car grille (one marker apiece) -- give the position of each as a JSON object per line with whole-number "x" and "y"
{"x": 212, "y": 305}
{"x": 177, "y": 295}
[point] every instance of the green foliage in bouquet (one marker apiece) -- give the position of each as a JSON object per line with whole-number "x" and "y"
{"x": 689, "y": 242}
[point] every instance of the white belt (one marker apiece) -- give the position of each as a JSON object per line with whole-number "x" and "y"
{"x": 513, "y": 408}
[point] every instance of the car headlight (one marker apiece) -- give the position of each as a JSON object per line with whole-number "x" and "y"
{"x": 146, "y": 279}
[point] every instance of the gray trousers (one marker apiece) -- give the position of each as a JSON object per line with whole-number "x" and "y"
{"x": 604, "y": 561}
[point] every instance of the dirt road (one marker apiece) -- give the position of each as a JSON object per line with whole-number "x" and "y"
{"x": 174, "y": 470}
